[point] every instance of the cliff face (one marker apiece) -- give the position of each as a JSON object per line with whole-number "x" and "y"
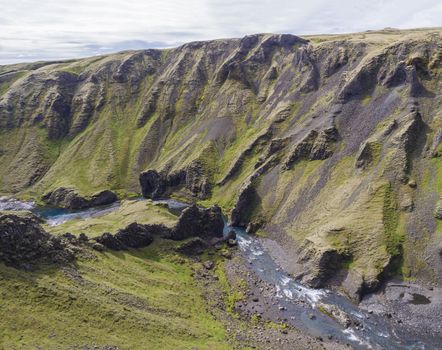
{"x": 330, "y": 145}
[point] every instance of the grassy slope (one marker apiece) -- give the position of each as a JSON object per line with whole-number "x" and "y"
{"x": 142, "y": 299}
{"x": 130, "y": 211}
{"x": 145, "y": 299}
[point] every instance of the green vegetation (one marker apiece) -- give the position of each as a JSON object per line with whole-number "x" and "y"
{"x": 233, "y": 291}
{"x": 144, "y": 299}
{"x": 393, "y": 238}
{"x": 141, "y": 212}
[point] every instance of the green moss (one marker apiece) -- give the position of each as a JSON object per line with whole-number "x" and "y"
{"x": 366, "y": 99}
{"x": 394, "y": 238}
{"x": 233, "y": 292}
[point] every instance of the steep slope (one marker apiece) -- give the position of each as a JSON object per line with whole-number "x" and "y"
{"x": 329, "y": 145}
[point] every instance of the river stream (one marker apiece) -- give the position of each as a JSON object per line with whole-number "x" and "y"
{"x": 317, "y": 311}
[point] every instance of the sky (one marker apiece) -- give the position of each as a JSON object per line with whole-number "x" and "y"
{"x": 32, "y": 30}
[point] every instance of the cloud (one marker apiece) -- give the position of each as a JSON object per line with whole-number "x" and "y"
{"x": 55, "y": 29}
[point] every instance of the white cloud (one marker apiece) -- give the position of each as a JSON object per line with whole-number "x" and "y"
{"x": 53, "y": 29}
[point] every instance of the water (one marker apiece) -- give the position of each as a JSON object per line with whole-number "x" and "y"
{"x": 7, "y": 203}
{"x": 58, "y": 216}
{"x": 309, "y": 309}
{"x": 317, "y": 311}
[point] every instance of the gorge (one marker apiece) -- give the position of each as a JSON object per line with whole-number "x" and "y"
{"x": 323, "y": 151}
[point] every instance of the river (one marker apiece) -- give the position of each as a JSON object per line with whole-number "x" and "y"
{"x": 318, "y": 312}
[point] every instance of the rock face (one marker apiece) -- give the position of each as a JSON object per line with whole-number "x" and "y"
{"x": 197, "y": 222}
{"x": 69, "y": 199}
{"x": 155, "y": 185}
{"x": 152, "y": 184}
{"x": 24, "y": 243}
{"x": 323, "y": 265}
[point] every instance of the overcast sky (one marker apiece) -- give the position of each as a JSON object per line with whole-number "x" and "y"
{"x": 55, "y": 29}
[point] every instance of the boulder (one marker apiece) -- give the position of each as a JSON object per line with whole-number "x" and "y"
{"x": 230, "y": 235}
{"x": 67, "y": 198}
{"x": 438, "y": 210}
{"x": 254, "y": 226}
{"x": 209, "y": 265}
{"x": 199, "y": 222}
{"x": 83, "y": 237}
{"x": 232, "y": 242}
{"x": 23, "y": 242}
{"x": 197, "y": 180}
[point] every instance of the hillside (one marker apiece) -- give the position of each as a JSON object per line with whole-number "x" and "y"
{"x": 328, "y": 144}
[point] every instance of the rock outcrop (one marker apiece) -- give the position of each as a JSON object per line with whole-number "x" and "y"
{"x": 323, "y": 263}
{"x": 133, "y": 236}
{"x": 70, "y": 199}
{"x": 24, "y": 243}
{"x": 199, "y": 222}
{"x": 152, "y": 184}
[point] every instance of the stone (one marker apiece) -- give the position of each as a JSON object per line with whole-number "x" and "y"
{"x": 254, "y": 226}
{"x": 83, "y": 237}
{"x": 98, "y": 247}
{"x": 412, "y": 183}
{"x": 406, "y": 203}
{"x": 133, "y": 236}
{"x": 438, "y": 210}
{"x": 209, "y": 265}
{"x": 232, "y": 242}
{"x": 230, "y": 235}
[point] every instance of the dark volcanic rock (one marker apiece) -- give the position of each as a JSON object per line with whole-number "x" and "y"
{"x": 133, "y": 236}
{"x": 152, "y": 184}
{"x": 197, "y": 181}
{"x": 231, "y": 235}
{"x": 102, "y": 198}
{"x": 23, "y": 242}
{"x": 67, "y": 198}
{"x": 247, "y": 197}
{"x": 254, "y": 226}
{"x": 109, "y": 241}
{"x": 194, "y": 246}
{"x": 194, "y": 177}
{"x": 199, "y": 222}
